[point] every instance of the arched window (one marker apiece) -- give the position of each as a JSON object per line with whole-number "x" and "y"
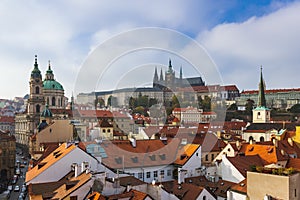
{"x": 48, "y": 101}
{"x": 38, "y": 108}
{"x": 204, "y": 198}
{"x": 250, "y": 138}
{"x": 37, "y": 89}
{"x": 261, "y": 139}
{"x": 53, "y": 101}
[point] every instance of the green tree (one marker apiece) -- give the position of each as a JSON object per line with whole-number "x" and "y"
{"x": 233, "y": 107}
{"x": 295, "y": 108}
{"x": 140, "y": 110}
{"x": 175, "y": 103}
{"x": 249, "y": 107}
{"x": 205, "y": 103}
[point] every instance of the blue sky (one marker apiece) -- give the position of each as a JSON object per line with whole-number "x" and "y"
{"x": 239, "y": 36}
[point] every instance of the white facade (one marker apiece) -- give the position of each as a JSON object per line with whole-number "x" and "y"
{"x": 258, "y": 136}
{"x": 159, "y": 173}
{"x": 193, "y": 164}
{"x": 63, "y": 166}
{"x": 229, "y": 172}
{"x": 232, "y": 195}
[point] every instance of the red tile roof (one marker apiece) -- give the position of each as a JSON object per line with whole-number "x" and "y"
{"x": 183, "y": 191}
{"x": 272, "y": 91}
{"x": 243, "y": 163}
{"x": 7, "y": 119}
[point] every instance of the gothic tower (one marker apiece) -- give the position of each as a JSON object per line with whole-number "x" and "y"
{"x": 261, "y": 114}
{"x": 170, "y": 77}
{"x": 155, "y": 78}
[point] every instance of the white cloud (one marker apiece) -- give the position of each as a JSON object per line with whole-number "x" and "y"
{"x": 66, "y": 31}
{"x": 271, "y": 41}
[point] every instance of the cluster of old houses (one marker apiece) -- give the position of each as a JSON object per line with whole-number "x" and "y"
{"x": 108, "y": 154}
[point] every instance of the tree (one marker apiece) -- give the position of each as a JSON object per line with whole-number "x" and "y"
{"x": 111, "y": 101}
{"x": 249, "y": 107}
{"x": 295, "y": 108}
{"x": 233, "y": 107}
{"x": 175, "y": 103}
{"x": 205, "y": 103}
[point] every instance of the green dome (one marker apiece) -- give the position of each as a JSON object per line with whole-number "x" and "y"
{"x": 52, "y": 85}
{"x": 46, "y": 112}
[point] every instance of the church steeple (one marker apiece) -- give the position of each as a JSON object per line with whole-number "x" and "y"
{"x": 49, "y": 72}
{"x": 180, "y": 75}
{"x": 36, "y": 73}
{"x": 170, "y": 66}
{"x": 161, "y": 75}
{"x": 261, "y": 114}
{"x": 155, "y": 78}
{"x": 261, "y": 93}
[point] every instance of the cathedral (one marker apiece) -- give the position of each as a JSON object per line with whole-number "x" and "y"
{"x": 171, "y": 81}
{"x": 47, "y": 94}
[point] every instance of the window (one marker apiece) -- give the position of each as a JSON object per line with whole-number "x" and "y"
{"x": 206, "y": 157}
{"x": 155, "y": 174}
{"x": 212, "y": 156}
{"x": 53, "y": 101}
{"x": 108, "y": 130}
{"x": 204, "y": 198}
{"x": 261, "y": 139}
{"x": 37, "y": 90}
{"x": 169, "y": 172}
{"x": 38, "y": 108}
{"x": 104, "y": 131}
{"x": 148, "y": 175}
{"x": 140, "y": 175}
{"x": 162, "y": 172}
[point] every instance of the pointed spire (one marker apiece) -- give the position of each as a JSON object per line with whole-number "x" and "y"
{"x": 261, "y": 92}
{"x": 170, "y": 63}
{"x": 155, "y": 78}
{"x": 49, "y": 65}
{"x": 180, "y": 75}
{"x": 161, "y": 75}
{"x": 35, "y": 62}
{"x": 36, "y": 73}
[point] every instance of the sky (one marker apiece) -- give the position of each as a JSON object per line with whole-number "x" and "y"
{"x": 238, "y": 37}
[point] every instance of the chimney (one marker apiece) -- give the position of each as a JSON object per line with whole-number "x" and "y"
{"x": 275, "y": 142}
{"x": 290, "y": 141}
{"x": 238, "y": 144}
{"x": 76, "y": 169}
{"x": 219, "y": 134}
{"x": 181, "y": 174}
{"x": 133, "y": 142}
{"x": 84, "y": 166}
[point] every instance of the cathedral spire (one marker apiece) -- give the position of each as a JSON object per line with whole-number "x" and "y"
{"x": 155, "y": 78}
{"x": 161, "y": 75}
{"x": 180, "y": 75}
{"x": 261, "y": 92}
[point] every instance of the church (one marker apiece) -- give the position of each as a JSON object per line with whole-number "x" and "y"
{"x": 170, "y": 81}
{"x": 43, "y": 95}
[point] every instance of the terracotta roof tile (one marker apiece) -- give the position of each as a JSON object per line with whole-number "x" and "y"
{"x": 185, "y": 153}
{"x": 59, "y": 153}
{"x": 183, "y": 191}
{"x": 294, "y": 163}
{"x": 243, "y": 163}
{"x": 240, "y": 187}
